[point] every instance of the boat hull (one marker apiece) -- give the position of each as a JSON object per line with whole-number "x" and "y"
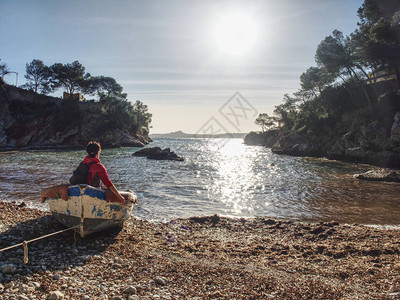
{"x": 88, "y": 211}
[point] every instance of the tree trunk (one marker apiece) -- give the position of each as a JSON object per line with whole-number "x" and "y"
{"x": 365, "y": 73}
{"x": 363, "y": 89}
{"x": 368, "y": 79}
{"x": 397, "y": 72}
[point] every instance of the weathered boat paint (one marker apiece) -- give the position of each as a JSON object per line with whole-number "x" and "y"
{"x": 88, "y": 209}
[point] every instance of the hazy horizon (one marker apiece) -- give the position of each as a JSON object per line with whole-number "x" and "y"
{"x": 184, "y": 59}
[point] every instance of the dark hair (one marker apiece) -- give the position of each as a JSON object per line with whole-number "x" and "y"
{"x": 93, "y": 148}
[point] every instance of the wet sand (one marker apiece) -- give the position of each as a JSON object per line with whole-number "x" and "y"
{"x": 199, "y": 258}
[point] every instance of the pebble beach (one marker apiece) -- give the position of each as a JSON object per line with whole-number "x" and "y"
{"x": 198, "y": 258}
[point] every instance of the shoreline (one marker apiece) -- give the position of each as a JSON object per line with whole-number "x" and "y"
{"x": 44, "y": 208}
{"x": 199, "y": 258}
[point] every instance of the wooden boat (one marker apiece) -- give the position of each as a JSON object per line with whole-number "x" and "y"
{"x": 87, "y": 208}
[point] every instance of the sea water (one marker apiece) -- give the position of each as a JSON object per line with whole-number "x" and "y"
{"x": 218, "y": 176}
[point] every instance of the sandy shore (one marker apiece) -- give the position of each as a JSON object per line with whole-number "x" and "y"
{"x": 199, "y": 258}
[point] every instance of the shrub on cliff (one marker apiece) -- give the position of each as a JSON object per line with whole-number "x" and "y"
{"x": 24, "y": 112}
{"x": 116, "y": 112}
{"x": 346, "y": 79}
{"x": 121, "y": 114}
{"x": 69, "y": 115}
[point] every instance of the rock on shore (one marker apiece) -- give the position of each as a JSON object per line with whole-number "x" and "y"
{"x": 158, "y": 153}
{"x": 380, "y": 175}
{"x": 200, "y": 258}
{"x": 267, "y": 139}
{"x": 371, "y": 143}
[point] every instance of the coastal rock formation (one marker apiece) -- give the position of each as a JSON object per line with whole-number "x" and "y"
{"x": 32, "y": 121}
{"x": 266, "y": 139}
{"x": 380, "y": 175}
{"x": 370, "y": 144}
{"x": 298, "y": 145}
{"x": 374, "y": 143}
{"x": 158, "y": 153}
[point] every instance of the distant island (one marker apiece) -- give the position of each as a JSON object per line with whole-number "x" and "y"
{"x": 180, "y": 134}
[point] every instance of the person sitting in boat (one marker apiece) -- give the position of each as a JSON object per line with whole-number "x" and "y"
{"x": 97, "y": 172}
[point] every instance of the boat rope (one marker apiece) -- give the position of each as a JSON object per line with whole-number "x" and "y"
{"x": 25, "y": 243}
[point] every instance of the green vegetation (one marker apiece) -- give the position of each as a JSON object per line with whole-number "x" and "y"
{"x": 264, "y": 121}
{"x": 116, "y": 111}
{"x": 69, "y": 116}
{"x": 69, "y": 76}
{"x": 357, "y": 74}
{"x": 37, "y": 77}
{"x": 3, "y": 69}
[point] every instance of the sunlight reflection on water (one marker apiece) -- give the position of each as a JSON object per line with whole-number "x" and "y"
{"x": 217, "y": 177}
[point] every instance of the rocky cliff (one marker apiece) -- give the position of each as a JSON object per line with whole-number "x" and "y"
{"x": 267, "y": 139}
{"x": 376, "y": 142}
{"x": 32, "y": 121}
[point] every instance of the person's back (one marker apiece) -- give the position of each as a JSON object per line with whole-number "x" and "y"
{"x": 97, "y": 172}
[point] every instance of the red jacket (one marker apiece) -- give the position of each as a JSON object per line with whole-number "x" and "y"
{"x": 97, "y": 169}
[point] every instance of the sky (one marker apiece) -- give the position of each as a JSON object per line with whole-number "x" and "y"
{"x": 200, "y": 66}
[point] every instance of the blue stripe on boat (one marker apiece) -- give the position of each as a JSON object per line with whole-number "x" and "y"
{"x": 74, "y": 191}
{"x": 115, "y": 207}
{"x": 95, "y": 193}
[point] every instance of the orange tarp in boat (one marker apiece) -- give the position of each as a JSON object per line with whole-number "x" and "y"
{"x": 57, "y": 191}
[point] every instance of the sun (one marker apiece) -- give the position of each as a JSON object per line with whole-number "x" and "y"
{"x": 235, "y": 34}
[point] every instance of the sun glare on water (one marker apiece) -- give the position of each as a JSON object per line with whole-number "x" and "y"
{"x": 235, "y": 34}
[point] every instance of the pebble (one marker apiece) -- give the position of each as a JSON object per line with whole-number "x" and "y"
{"x": 85, "y": 258}
{"x": 55, "y": 295}
{"x": 16, "y": 260}
{"x": 394, "y": 295}
{"x": 8, "y": 269}
{"x": 23, "y": 297}
{"x": 161, "y": 280}
{"x": 23, "y": 288}
{"x": 35, "y": 284}
{"x": 71, "y": 274}
{"x": 130, "y": 290}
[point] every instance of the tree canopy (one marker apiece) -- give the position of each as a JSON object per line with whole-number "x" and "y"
{"x": 104, "y": 87}
{"x": 379, "y": 28}
{"x": 3, "y": 69}
{"x": 37, "y": 77}
{"x": 314, "y": 79}
{"x": 70, "y": 76}
{"x": 116, "y": 110}
{"x": 348, "y": 68}
{"x": 265, "y": 121}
